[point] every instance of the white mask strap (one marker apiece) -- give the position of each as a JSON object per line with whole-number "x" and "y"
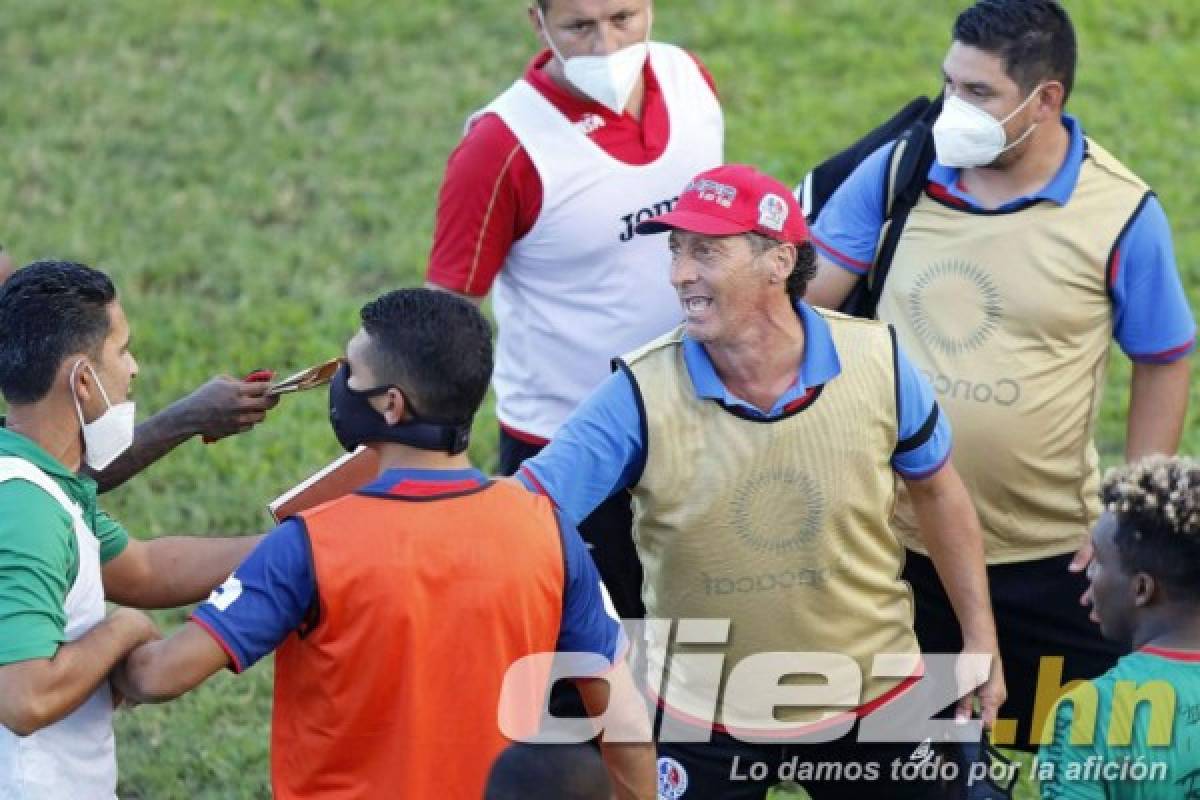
{"x": 549, "y": 38}
{"x": 1024, "y": 103}
{"x": 95, "y": 377}
{"x": 1028, "y": 130}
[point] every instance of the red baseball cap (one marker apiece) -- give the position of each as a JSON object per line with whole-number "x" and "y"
{"x": 732, "y": 199}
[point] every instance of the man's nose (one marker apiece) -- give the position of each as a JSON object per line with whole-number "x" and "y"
{"x": 683, "y": 271}
{"x": 606, "y": 40}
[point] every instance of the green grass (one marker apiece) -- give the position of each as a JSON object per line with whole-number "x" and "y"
{"x": 251, "y": 173}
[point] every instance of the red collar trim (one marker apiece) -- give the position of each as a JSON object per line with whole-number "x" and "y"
{"x": 1188, "y": 656}
{"x": 802, "y": 401}
{"x": 417, "y": 488}
{"x": 940, "y": 192}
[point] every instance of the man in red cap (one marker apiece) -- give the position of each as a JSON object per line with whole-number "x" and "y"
{"x": 760, "y": 441}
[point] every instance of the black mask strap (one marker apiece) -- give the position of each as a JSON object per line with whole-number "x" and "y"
{"x": 356, "y": 423}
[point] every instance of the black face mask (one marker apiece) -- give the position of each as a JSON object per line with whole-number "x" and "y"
{"x": 355, "y": 423}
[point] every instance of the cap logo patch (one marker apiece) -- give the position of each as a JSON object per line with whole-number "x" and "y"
{"x": 713, "y": 191}
{"x": 772, "y": 212}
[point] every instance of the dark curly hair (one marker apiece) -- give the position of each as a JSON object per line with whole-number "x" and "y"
{"x": 804, "y": 270}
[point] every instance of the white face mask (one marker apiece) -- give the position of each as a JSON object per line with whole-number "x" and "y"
{"x": 110, "y": 434}
{"x": 609, "y": 80}
{"x": 965, "y": 136}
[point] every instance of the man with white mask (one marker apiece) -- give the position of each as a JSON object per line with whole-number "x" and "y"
{"x": 541, "y": 200}
{"x": 221, "y": 407}
{"x": 1030, "y": 250}
{"x": 66, "y": 373}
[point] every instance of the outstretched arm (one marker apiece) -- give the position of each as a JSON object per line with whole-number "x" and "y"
{"x": 251, "y": 614}
{"x": 174, "y": 570}
{"x": 599, "y": 450}
{"x": 163, "y": 670}
{"x": 222, "y": 407}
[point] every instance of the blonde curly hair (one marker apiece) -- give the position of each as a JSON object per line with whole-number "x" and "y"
{"x": 1157, "y": 505}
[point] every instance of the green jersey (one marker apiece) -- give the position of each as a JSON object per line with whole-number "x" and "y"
{"x": 1140, "y": 729}
{"x": 39, "y": 554}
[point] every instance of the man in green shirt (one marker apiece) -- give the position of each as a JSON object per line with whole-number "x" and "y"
{"x": 1134, "y": 732}
{"x": 222, "y": 407}
{"x": 66, "y": 373}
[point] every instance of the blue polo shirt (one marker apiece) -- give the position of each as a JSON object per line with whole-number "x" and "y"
{"x": 271, "y": 593}
{"x": 1152, "y": 321}
{"x": 601, "y": 450}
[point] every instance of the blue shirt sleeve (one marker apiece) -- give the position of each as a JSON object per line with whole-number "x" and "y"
{"x": 1151, "y": 318}
{"x": 589, "y": 621}
{"x": 847, "y": 229}
{"x": 598, "y": 451}
{"x": 265, "y": 599}
{"x": 924, "y": 440}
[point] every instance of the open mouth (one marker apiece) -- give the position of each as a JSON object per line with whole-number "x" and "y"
{"x": 696, "y": 305}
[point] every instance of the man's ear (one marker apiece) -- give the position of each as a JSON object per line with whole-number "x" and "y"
{"x": 396, "y": 409}
{"x": 1146, "y": 590}
{"x": 783, "y": 261}
{"x": 1051, "y": 98}
{"x": 81, "y": 381}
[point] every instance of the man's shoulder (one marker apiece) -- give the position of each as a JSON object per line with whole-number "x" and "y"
{"x": 487, "y": 130}
{"x": 1111, "y": 165}
{"x": 667, "y": 342}
{"x": 512, "y": 491}
{"x": 23, "y": 502}
{"x": 844, "y": 329}
{"x": 863, "y": 184}
{"x": 837, "y": 318}
{"x": 33, "y": 524}
{"x": 664, "y": 55}
{"x": 665, "y": 50}
{"x": 1133, "y": 667}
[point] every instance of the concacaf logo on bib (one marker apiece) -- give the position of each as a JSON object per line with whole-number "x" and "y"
{"x": 672, "y": 779}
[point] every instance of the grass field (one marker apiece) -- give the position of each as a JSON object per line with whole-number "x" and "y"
{"x": 252, "y": 172}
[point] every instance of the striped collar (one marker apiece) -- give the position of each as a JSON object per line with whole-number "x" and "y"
{"x": 425, "y": 482}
